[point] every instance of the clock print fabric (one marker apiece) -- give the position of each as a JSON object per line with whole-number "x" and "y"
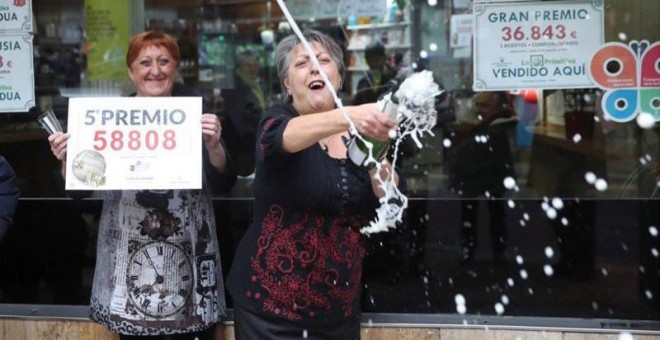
{"x": 158, "y": 265}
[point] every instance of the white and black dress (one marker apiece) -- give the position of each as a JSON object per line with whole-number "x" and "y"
{"x": 158, "y": 267}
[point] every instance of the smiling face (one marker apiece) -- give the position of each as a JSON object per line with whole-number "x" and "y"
{"x": 153, "y": 72}
{"x": 303, "y": 81}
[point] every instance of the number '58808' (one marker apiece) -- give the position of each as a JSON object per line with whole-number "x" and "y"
{"x": 134, "y": 140}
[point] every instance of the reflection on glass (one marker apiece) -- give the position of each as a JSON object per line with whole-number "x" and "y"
{"x": 575, "y": 233}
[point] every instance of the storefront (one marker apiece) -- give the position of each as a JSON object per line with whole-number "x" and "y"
{"x": 549, "y": 224}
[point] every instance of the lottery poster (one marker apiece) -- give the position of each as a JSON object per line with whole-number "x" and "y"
{"x": 16, "y": 72}
{"x": 542, "y": 45}
{"x": 16, "y": 16}
{"x": 134, "y": 143}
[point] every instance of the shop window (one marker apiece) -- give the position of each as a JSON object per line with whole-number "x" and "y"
{"x": 553, "y": 213}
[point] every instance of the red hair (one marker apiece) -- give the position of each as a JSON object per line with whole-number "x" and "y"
{"x": 152, "y": 38}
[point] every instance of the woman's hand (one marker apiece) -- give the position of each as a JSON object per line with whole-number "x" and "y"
{"x": 58, "y": 142}
{"x": 371, "y": 122}
{"x": 211, "y": 130}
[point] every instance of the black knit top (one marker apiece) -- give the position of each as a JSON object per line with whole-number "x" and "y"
{"x": 301, "y": 259}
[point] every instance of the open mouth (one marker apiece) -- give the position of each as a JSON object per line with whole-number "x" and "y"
{"x": 316, "y": 85}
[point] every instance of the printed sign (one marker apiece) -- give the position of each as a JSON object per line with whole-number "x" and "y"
{"x": 542, "y": 45}
{"x": 16, "y": 73}
{"x": 631, "y": 75}
{"x": 460, "y": 30}
{"x": 107, "y": 26}
{"x": 16, "y": 16}
{"x": 134, "y": 143}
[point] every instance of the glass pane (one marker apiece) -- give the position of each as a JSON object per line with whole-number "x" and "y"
{"x": 523, "y": 202}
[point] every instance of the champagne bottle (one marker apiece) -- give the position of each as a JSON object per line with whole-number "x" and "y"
{"x": 358, "y": 151}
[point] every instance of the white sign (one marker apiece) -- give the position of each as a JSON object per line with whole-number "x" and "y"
{"x": 460, "y": 30}
{"x": 542, "y": 45}
{"x": 16, "y": 73}
{"x": 133, "y": 143}
{"x": 16, "y": 16}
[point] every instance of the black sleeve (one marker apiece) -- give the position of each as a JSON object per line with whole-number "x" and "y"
{"x": 270, "y": 134}
{"x": 8, "y": 195}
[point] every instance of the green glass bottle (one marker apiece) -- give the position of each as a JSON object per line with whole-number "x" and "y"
{"x": 358, "y": 151}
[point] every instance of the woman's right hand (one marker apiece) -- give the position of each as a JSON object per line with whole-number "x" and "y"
{"x": 58, "y": 141}
{"x": 371, "y": 122}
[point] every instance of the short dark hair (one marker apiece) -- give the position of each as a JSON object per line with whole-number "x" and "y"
{"x": 503, "y": 97}
{"x": 245, "y": 55}
{"x": 504, "y": 102}
{"x": 375, "y": 49}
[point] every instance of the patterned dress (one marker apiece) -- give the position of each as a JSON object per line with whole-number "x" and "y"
{"x": 301, "y": 259}
{"x": 158, "y": 267}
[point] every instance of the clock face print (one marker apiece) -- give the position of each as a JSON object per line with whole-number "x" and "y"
{"x": 159, "y": 279}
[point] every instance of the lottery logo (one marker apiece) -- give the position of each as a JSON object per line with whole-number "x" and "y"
{"x": 89, "y": 168}
{"x": 630, "y": 74}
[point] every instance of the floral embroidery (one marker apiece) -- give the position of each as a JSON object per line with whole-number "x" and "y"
{"x": 307, "y": 266}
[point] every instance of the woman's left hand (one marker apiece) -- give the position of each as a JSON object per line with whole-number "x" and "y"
{"x": 211, "y": 130}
